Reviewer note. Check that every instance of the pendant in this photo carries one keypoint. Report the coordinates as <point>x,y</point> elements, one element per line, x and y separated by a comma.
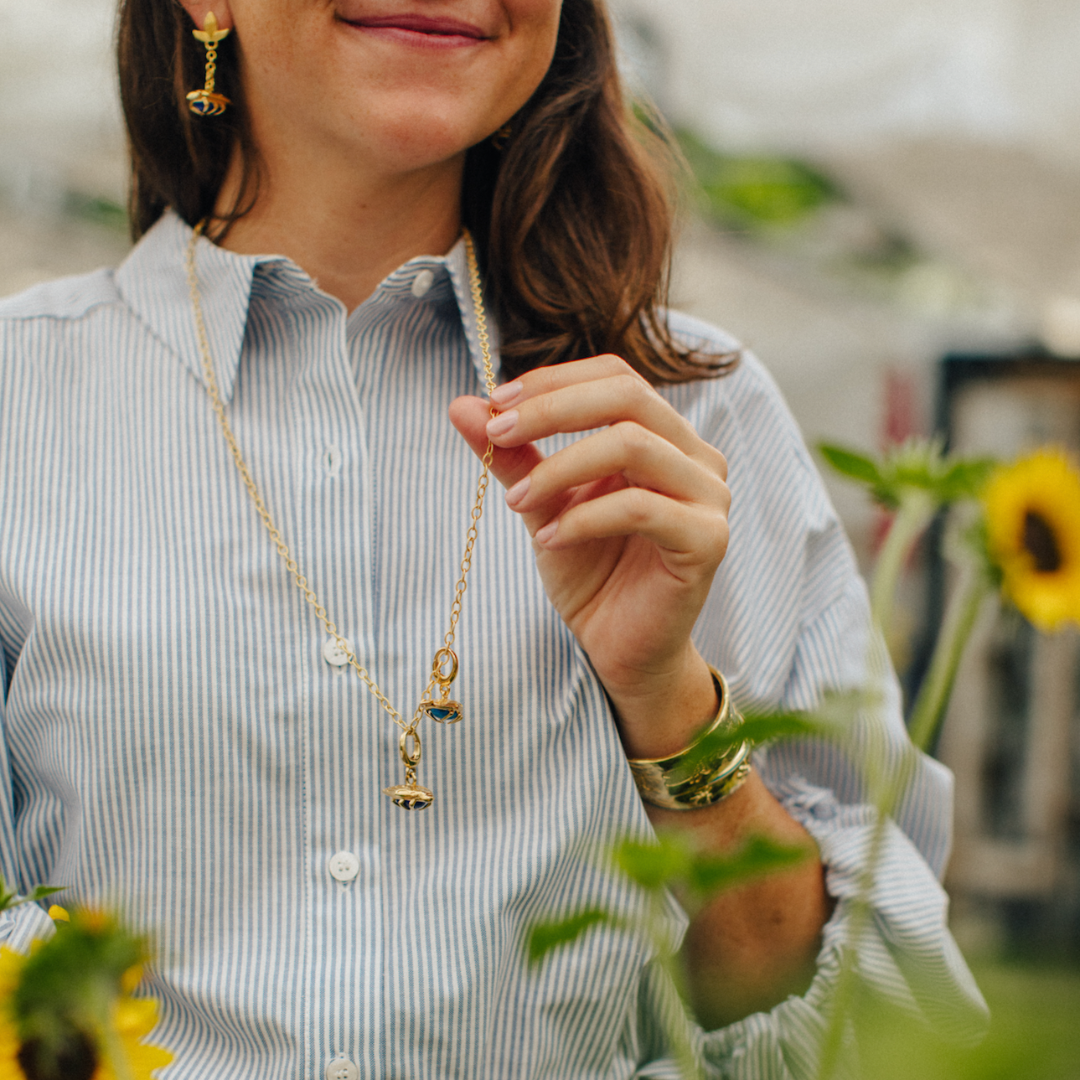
<point>444,671</point>
<point>410,795</point>
<point>442,711</point>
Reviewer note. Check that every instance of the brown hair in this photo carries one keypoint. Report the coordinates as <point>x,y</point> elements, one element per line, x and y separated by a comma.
<point>573,218</point>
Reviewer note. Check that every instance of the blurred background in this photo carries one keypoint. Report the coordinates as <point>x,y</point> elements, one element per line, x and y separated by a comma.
<point>887,210</point>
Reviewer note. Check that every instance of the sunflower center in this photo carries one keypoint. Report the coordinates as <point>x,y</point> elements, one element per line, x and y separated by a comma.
<point>74,1059</point>
<point>1041,543</point>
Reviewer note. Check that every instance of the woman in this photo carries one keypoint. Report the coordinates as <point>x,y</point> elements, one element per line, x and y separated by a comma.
<point>185,736</point>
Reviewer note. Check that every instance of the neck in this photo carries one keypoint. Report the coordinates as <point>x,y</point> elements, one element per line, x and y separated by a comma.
<point>345,228</point>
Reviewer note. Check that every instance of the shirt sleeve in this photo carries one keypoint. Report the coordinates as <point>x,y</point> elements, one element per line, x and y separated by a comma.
<point>22,925</point>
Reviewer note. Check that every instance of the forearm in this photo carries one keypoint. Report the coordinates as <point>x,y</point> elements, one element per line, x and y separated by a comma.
<point>749,947</point>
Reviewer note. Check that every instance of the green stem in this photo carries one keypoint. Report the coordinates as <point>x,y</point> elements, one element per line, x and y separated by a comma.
<point>916,510</point>
<point>677,1033</point>
<point>112,1049</point>
<point>885,792</point>
<point>960,616</point>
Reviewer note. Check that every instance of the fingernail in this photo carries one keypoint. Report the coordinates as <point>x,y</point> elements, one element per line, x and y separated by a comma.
<point>501,424</point>
<point>503,395</point>
<point>546,533</point>
<point>518,491</point>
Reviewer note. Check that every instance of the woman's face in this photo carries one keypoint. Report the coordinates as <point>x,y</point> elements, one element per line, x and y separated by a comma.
<point>398,84</point>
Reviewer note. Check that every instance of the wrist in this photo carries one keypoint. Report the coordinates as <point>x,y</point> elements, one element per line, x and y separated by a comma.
<point>663,713</point>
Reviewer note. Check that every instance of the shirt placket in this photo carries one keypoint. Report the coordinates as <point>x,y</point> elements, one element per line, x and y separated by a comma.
<point>343,722</point>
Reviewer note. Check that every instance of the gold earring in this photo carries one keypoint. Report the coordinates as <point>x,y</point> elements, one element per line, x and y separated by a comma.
<point>205,102</point>
<point>501,139</point>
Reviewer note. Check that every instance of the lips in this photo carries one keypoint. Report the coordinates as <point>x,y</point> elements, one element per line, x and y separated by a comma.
<point>420,24</point>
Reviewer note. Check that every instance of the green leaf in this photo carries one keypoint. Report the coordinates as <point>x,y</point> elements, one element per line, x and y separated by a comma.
<point>39,892</point>
<point>710,874</point>
<point>10,899</point>
<point>851,464</point>
<point>965,478</point>
<point>758,729</point>
<point>545,936</point>
<point>652,866</point>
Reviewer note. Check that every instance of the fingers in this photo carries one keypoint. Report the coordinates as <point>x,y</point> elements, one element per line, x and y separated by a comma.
<point>589,394</point>
<point>691,532</point>
<point>642,458</point>
<point>643,470</point>
<point>470,415</point>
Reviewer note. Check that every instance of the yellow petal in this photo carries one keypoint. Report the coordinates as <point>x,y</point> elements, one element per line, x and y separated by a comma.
<point>133,1020</point>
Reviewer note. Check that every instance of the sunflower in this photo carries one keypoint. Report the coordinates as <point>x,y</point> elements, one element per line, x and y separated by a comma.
<point>1033,535</point>
<point>130,1019</point>
<point>134,1019</point>
<point>11,965</point>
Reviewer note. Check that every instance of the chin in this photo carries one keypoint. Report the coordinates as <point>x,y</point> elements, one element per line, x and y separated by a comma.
<point>422,143</point>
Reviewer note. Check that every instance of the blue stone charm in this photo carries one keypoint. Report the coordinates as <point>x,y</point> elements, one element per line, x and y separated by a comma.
<point>206,103</point>
<point>442,712</point>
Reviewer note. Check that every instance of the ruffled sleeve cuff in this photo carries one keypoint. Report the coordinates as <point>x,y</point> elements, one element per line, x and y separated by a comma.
<point>905,951</point>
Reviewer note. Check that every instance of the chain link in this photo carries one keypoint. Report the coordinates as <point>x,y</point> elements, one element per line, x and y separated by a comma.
<point>476,291</point>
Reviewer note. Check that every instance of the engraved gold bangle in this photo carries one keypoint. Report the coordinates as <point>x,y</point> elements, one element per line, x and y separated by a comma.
<point>665,782</point>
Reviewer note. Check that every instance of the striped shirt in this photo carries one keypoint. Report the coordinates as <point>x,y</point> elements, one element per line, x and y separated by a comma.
<point>176,744</point>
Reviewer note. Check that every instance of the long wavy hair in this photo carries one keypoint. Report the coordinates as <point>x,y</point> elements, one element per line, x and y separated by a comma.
<point>573,216</point>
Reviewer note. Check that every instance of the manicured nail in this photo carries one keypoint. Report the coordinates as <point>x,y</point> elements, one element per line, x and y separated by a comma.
<point>543,535</point>
<point>503,395</point>
<point>518,491</point>
<point>501,424</point>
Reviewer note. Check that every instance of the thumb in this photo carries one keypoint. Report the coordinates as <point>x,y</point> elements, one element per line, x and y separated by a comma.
<point>470,416</point>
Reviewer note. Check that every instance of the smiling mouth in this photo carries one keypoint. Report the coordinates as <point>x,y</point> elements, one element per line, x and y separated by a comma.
<point>422,25</point>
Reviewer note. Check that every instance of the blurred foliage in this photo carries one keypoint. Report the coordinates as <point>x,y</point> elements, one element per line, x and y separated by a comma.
<point>97,211</point>
<point>9,898</point>
<point>755,192</point>
<point>545,936</point>
<point>1034,1032</point>
<point>834,712</point>
<point>671,862</point>
<point>916,465</point>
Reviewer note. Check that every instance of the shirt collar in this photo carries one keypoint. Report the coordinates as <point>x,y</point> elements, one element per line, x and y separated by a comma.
<point>153,282</point>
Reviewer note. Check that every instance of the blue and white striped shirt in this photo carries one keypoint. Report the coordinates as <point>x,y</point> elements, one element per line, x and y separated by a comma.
<point>176,745</point>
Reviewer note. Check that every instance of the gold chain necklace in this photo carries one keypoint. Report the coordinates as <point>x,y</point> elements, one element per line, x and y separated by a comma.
<point>444,668</point>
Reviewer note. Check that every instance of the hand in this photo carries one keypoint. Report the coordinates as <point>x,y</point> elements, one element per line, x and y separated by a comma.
<point>629,524</point>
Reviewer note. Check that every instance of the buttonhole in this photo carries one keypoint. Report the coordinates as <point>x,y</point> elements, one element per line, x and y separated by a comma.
<point>332,461</point>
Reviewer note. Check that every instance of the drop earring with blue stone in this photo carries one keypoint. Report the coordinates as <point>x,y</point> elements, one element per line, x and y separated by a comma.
<point>206,102</point>
<point>441,709</point>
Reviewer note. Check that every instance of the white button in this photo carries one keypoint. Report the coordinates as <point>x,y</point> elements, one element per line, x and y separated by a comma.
<point>341,1068</point>
<point>334,654</point>
<point>344,866</point>
<point>422,283</point>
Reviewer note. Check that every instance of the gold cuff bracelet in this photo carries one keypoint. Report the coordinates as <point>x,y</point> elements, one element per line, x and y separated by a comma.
<point>665,782</point>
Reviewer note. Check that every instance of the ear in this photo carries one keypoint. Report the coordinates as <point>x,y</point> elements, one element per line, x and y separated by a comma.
<point>199,9</point>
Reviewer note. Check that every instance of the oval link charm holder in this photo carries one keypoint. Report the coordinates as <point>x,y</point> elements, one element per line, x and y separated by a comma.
<point>444,668</point>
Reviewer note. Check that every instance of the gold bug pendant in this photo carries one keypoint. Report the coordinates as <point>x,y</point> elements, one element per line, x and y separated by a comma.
<point>410,795</point>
